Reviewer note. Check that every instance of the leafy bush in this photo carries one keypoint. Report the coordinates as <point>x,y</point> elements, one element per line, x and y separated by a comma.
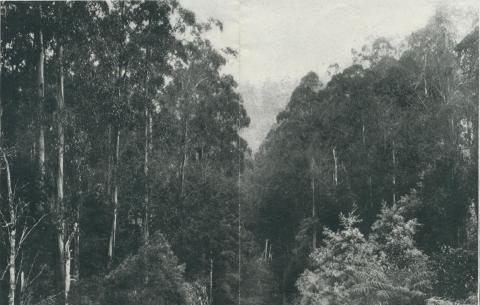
<point>386,268</point>
<point>407,267</point>
<point>153,276</point>
<point>341,268</point>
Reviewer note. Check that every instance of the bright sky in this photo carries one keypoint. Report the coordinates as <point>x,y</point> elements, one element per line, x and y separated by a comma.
<point>279,39</point>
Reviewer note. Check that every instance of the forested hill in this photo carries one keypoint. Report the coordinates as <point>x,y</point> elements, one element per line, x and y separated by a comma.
<point>120,146</point>
<point>392,139</point>
<point>124,178</point>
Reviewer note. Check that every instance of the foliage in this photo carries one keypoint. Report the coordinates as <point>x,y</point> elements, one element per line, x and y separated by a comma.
<point>455,272</point>
<point>150,277</point>
<point>395,127</point>
<point>259,286</point>
<point>405,264</point>
<point>395,134</point>
<point>386,268</point>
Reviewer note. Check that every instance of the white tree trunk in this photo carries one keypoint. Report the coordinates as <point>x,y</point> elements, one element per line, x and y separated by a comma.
<point>184,156</point>
<point>41,98</point>
<point>394,178</point>
<point>210,297</point>
<point>148,147</point>
<point>335,167</point>
<point>12,236</point>
<point>314,229</point>
<point>113,232</point>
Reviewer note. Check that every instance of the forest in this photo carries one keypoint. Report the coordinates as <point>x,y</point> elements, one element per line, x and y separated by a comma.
<point>124,178</point>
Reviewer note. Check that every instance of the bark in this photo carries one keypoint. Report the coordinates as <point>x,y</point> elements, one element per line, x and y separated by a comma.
<point>113,232</point>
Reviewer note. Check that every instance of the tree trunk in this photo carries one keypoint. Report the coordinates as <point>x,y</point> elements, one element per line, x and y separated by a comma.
<point>314,229</point>
<point>76,249</point>
<point>148,129</point>
<point>148,147</point>
<point>1,71</point>
<point>370,187</point>
<point>109,162</point>
<point>112,175</point>
<point>211,281</point>
<point>68,279</point>
<point>113,232</point>
<point>22,288</point>
<point>335,167</point>
<point>184,157</point>
<point>12,236</point>
<point>63,242</point>
<point>61,146</point>
<point>68,261</point>
<point>394,178</point>
<point>41,99</point>
<point>363,135</point>
<point>265,252</point>
<point>425,86</point>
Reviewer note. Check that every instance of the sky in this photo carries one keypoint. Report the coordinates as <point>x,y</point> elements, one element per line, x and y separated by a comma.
<point>285,39</point>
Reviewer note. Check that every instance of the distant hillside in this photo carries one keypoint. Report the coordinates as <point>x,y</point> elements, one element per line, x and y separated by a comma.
<point>263,103</point>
